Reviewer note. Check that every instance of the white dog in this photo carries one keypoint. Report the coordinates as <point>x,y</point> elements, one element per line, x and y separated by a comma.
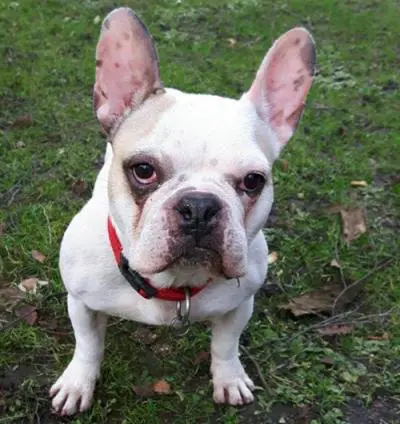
<point>172,232</point>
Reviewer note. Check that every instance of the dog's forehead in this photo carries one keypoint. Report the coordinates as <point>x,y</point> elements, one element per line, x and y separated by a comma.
<point>191,128</point>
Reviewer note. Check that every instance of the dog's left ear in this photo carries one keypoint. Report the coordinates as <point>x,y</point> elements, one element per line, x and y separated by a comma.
<point>127,69</point>
<point>283,80</point>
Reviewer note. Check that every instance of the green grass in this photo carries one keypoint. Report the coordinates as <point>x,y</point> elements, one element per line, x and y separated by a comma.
<point>350,131</point>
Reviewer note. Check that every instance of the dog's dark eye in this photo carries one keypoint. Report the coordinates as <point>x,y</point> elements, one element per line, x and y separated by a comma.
<point>253,182</point>
<point>144,173</point>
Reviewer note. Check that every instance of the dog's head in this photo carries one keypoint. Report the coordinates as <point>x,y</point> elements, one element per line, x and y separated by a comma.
<point>190,183</point>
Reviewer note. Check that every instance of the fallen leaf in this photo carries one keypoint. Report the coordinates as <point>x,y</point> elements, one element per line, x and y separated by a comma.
<point>272,257</point>
<point>284,164</point>
<point>30,285</point>
<point>79,187</point>
<point>162,387</point>
<point>335,330</point>
<point>201,357</point>
<point>28,313</point>
<point>358,183</point>
<point>232,42</point>
<point>38,256</point>
<point>335,263</point>
<point>353,223</point>
<point>9,297</point>
<point>22,121</point>
<point>383,337</point>
<point>319,301</point>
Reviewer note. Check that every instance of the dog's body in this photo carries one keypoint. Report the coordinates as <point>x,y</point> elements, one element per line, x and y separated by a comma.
<point>187,185</point>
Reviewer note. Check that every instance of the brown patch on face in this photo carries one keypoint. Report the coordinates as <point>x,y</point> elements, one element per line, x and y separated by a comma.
<point>298,82</point>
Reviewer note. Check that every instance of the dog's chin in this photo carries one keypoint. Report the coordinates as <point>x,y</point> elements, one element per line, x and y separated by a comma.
<point>197,258</point>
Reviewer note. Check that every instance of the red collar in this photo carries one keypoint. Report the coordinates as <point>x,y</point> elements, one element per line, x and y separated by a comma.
<point>140,284</point>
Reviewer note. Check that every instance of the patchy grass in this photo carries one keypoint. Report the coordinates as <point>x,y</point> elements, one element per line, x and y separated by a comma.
<point>350,131</point>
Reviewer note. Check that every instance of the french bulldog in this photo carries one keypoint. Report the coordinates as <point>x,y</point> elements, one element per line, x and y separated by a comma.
<point>173,231</point>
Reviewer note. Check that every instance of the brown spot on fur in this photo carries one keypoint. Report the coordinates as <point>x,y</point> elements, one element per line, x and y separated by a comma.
<point>296,42</point>
<point>298,82</point>
<point>99,63</point>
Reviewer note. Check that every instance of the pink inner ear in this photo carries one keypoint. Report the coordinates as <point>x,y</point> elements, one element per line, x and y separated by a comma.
<point>283,81</point>
<point>126,66</point>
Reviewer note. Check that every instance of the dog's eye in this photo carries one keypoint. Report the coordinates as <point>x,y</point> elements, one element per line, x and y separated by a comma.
<point>144,173</point>
<point>253,182</point>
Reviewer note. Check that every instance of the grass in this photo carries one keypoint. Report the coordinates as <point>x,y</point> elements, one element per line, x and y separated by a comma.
<point>350,131</point>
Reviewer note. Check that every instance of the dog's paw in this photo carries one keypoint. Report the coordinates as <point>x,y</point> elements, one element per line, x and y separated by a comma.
<point>231,383</point>
<point>73,391</point>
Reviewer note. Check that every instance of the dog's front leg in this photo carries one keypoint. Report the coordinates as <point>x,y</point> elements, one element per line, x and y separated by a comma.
<point>231,383</point>
<point>73,391</point>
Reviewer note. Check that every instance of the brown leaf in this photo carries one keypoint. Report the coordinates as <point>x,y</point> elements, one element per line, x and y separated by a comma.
<point>162,387</point>
<point>22,121</point>
<point>28,313</point>
<point>384,336</point>
<point>315,302</point>
<point>353,223</point>
<point>335,263</point>
<point>335,330</point>
<point>201,357</point>
<point>9,297</point>
<point>232,42</point>
<point>38,256</point>
<point>79,187</point>
<point>284,164</point>
<point>272,257</point>
<point>358,183</point>
<point>30,285</point>
<point>2,228</point>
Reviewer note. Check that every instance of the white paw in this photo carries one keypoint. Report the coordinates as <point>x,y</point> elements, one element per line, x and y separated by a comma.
<point>73,391</point>
<point>231,383</point>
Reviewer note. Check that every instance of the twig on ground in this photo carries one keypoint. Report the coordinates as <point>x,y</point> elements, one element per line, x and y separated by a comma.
<point>362,280</point>
<point>258,368</point>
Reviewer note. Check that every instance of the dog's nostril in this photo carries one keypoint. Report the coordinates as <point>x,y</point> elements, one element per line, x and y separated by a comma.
<point>197,209</point>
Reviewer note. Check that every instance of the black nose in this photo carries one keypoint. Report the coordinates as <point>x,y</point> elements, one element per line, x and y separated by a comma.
<point>197,211</point>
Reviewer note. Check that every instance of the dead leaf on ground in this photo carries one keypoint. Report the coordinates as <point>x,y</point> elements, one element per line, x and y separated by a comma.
<point>335,330</point>
<point>385,336</point>
<point>30,285</point>
<point>28,313</point>
<point>232,42</point>
<point>22,121</point>
<point>9,297</point>
<point>272,257</point>
<point>160,387</point>
<point>38,256</point>
<point>353,223</point>
<point>79,187</point>
<point>2,228</point>
<point>320,300</point>
<point>145,335</point>
<point>284,163</point>
<point>358,183</point>
<point>333,209</point>
<point>335,263</point>
<point>201,357</point>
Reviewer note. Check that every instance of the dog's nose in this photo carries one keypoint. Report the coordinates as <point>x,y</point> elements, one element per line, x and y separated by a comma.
<point>197,211</point>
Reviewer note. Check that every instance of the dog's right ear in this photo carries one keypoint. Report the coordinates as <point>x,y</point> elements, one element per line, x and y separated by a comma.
<point>127,70</point>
